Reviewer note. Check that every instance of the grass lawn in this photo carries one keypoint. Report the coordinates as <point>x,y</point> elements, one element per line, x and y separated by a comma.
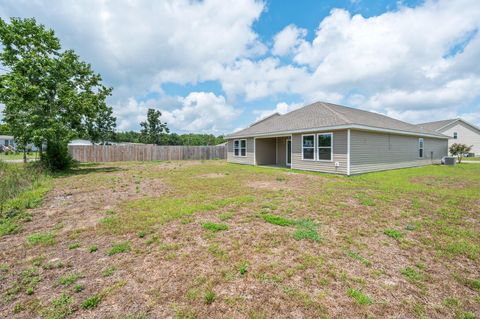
<point>207,239</point>
<point>17,156</point>
<point>470,159</point>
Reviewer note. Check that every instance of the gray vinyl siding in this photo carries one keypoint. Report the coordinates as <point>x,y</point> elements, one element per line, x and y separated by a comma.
<point>371,151</point>
<point>249,159</point>
<point>340,141</point>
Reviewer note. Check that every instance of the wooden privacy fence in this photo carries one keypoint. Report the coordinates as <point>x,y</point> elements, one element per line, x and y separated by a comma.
<point>115,153</point>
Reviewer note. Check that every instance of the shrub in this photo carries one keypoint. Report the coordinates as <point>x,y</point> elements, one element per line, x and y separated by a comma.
<point>56,157</point>
<point>93,248</point>
<point>458,150</point>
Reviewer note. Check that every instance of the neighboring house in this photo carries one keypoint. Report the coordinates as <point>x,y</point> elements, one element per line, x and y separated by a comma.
<point>459,131</point>
<point>335,139</point>
<point>7,140</point>
<point>80,142</point>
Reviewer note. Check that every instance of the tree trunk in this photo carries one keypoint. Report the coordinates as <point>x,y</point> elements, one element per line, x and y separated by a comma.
<point>25,154</point>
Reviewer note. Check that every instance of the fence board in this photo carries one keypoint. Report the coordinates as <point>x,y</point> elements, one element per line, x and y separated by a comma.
<point>115,153</point>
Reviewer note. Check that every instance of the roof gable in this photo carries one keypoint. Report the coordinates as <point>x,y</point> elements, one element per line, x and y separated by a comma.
<point>441,126</point>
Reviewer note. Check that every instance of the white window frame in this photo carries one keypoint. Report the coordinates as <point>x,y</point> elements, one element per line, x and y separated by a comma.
<point>455,135</point>
<point>421,146</point>
<point>314,147</point>
<point>331,147</point>
<point>240,147</point>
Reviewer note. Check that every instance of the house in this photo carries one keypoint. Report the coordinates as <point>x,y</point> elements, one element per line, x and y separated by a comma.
<point>459,131</point>
<point>80,142</point>
<point>331,138</point>
<point>7,140</point>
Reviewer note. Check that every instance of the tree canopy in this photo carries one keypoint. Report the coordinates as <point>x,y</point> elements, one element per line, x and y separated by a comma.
<point>50,95</point>
<point>153,129</point>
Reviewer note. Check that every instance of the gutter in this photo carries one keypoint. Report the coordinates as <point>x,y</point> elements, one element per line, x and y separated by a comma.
<point>341,127</point>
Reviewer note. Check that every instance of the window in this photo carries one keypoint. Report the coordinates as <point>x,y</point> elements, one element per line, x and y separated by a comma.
<point>240,148</point>
<point>308,147</point>
<point>324,143</point>
<point>420,147</point>
<point>455,135</point>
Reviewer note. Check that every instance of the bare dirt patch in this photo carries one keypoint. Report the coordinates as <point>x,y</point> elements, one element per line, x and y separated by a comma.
<point>212,175</point>
<point>268,185</point>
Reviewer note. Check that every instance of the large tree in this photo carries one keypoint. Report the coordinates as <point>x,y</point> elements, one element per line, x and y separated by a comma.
<point>50,95</point>
<point>153,129</point>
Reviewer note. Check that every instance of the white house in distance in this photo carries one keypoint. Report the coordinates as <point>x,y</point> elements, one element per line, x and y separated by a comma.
<point>459,131</point>
<point>7,140</point>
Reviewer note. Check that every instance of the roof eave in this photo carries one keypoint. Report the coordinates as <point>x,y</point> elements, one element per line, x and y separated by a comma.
<point>340,127</point>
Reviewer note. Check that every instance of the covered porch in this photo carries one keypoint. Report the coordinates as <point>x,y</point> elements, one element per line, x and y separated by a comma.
<point>273,151</point>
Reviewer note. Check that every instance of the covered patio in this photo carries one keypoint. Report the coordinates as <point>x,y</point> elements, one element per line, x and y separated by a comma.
<point>273,151</point>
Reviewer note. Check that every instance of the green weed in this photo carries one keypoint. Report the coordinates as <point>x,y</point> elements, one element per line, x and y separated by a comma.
<point>306,229</point>
<point>411,274</point>
<point>59,308</point>
<point>74,246</point>
<point>359,297</point>
<point>119,248</point>
<point>41,239</point>
<point>69,279</point>
<point>393,233</point>
<point>91,302</point>
<point>214,227</point>
<point>209,297</point>
<point>277,220</point>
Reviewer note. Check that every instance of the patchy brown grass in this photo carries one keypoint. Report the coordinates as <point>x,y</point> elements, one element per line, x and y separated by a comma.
<point>166,264</point>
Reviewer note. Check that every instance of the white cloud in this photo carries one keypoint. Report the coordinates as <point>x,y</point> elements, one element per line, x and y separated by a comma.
<point>280,108</point>
<point>399,63</point>
<point>451,94</point>
<point>288,39</point>
<point>202,112</point>
<point>199,112</point>
<point>137,45</point>
<point>396,62</point>
<point>472,117</point>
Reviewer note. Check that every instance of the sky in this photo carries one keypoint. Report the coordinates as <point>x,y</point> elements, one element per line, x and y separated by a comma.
<point>215,66</point>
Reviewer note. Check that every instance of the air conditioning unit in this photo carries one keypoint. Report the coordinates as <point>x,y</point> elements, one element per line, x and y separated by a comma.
<point>449,160</point>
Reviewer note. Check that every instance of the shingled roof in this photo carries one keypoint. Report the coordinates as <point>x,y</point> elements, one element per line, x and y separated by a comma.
<point>322,115</point>
<point>434,126</point>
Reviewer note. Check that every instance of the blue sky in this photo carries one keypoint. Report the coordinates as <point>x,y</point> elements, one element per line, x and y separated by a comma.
<point>215,66</point>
